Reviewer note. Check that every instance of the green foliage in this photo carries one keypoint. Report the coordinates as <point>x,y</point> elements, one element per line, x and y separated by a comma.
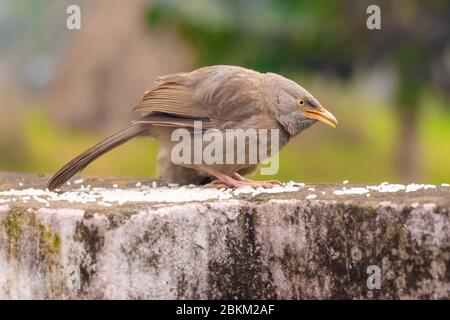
<point>47,148</point>
<point>322,36</point>
<point>257,34</point>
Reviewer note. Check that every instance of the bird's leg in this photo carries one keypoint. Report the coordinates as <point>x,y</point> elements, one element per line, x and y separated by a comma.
<point>222,181</point>
<point>236,181</point>
<point>219,184</point>
<point>237,176</point>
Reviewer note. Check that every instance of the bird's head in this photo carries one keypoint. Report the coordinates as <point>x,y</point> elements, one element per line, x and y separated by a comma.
<point>297,109</point>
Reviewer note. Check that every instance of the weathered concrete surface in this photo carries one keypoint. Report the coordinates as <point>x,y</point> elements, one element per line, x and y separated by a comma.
<point>281,246</point>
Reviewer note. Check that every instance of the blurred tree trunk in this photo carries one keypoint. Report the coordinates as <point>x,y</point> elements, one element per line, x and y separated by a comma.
<point>411,62</point>
<point>407,150</point>
<point>110,63</point>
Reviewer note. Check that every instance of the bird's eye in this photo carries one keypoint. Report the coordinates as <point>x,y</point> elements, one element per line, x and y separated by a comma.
<point>301,102</point>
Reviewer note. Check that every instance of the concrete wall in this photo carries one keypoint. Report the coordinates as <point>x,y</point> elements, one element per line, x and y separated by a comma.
<point>124,240</point>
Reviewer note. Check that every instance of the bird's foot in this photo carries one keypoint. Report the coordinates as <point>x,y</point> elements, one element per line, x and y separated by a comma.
<point>263,183</point>
<point>237,181</point>
<point>219,184</point>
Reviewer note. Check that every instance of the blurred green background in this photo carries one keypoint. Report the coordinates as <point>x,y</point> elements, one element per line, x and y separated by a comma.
<point>62,90</point>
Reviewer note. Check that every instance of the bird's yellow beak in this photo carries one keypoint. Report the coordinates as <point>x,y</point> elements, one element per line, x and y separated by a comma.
<point>322,115</point>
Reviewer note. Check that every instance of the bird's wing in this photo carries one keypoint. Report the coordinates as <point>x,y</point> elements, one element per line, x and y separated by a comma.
<point>166,120</point>
<point>172,95</point>
<point>223,95</point>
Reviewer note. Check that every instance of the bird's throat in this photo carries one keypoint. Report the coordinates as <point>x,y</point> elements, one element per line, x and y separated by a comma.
<point>294,123</point>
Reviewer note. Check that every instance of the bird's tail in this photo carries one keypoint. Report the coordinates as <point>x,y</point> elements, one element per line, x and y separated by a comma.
<point>81,161</point>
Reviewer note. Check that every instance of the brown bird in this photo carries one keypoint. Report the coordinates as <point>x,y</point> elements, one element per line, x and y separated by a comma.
<point>222,98</point>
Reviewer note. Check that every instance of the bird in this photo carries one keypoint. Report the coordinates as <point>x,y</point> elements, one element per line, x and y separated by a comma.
<point>222,98</point>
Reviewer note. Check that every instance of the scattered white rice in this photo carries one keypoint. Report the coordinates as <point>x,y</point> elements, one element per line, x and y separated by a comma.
<point>445,185</point>
<point>40,200</point>
<point>172,193</point>
<point>345,182</point>
<point>78,181</point>
<point>415,187</point>
<point>383,188</point>
<point>350,191</point>
<point>298,184</point>
<point>108,197</point>
<point>288,187</point>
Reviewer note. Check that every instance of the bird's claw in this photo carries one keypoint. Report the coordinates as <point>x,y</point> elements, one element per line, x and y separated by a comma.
<point>238,181</point>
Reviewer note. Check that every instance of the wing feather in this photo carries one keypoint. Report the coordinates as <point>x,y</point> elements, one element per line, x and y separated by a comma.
<point>171,95</point>
<point>164,120</point>
<point>222,95</point>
